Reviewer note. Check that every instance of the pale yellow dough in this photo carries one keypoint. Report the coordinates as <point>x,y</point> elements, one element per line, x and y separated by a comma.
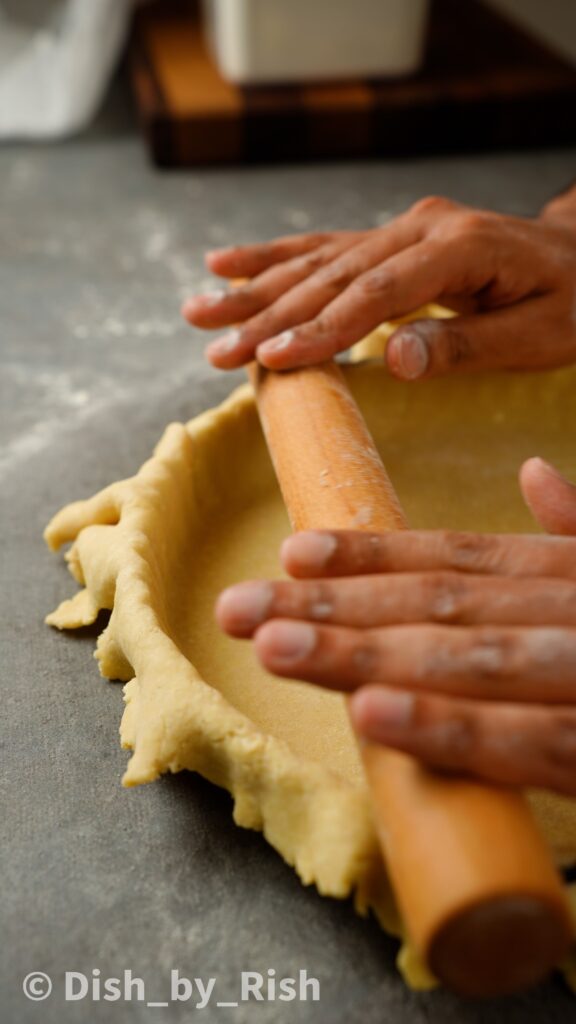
<point>205,512</point>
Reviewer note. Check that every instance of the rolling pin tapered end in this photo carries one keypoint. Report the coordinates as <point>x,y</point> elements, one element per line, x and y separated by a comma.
<point>501,946</point>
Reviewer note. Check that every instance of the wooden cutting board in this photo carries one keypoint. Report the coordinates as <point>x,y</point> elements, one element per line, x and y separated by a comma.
<point>484,84</point>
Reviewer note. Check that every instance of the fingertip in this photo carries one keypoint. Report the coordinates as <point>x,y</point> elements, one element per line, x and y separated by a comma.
<point>220,361</point>
<point>187,310</point>
<point>534,473</point>
<point>550,497</point>
<point>359,705</point>
<point>224,608</point>
<point>536,465</point>
<point>240,609</point>
<point>282,645</point>
<point>215,359</point>
<point>308,553</point>
<point>227,352</point>
<point>216,258</point>
<point>286,559</point>
<point>277,353</point>
<point>378,713</point>
<point>407,354</point>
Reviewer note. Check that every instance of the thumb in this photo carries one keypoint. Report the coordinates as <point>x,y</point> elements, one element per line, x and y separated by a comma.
<point>500,339</point>
<point>549,496</point>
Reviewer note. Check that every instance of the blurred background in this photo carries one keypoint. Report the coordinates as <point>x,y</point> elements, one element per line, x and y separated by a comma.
<point>247,80</point>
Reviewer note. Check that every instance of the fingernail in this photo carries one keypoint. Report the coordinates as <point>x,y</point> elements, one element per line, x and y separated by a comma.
<point>219,252</point>
<point>311,549</point>
<point>277,344</point>
<point>292,641</point>
<point>227,343</point>
<point>381,710</point>
<point>411,356</point>
<point>214,297</point>
<point>247,603</point>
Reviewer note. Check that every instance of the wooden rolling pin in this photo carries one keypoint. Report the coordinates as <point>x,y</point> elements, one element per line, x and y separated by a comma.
<point>474,879</point>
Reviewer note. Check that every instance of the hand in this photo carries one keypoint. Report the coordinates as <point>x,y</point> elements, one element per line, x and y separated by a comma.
<point>459,649</point>
<point>311,296</point>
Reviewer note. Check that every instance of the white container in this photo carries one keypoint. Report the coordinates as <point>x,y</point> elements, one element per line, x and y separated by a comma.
<point>257,41</point>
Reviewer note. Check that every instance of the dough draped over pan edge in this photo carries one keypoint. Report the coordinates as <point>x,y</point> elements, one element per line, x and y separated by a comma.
<point>126,544</point>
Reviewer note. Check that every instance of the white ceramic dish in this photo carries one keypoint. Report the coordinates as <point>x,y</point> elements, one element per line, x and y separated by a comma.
<point>307,40</point>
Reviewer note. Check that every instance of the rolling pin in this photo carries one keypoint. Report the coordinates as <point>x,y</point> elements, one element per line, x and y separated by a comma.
<point>479,895</point>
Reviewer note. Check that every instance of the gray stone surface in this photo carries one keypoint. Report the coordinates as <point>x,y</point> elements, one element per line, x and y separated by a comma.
<point>96,252</point>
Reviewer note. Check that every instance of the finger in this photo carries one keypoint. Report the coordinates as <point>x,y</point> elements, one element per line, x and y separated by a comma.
<point>409,279</point>
<point>486,663</point>
<point>507,744</point>
<point>549,496</point>
<point>505,339</point>
<point>367,602</point>
<point>312,293</point>
<point>249,260</point>
<point>355,553</point>
<point>219,308</point>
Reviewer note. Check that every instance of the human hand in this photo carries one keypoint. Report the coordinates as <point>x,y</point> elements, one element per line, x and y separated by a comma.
<point>459,649</point>
<point>310,296</point>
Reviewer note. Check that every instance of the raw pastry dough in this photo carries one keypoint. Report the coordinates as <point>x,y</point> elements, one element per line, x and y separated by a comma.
<point>205,512</point>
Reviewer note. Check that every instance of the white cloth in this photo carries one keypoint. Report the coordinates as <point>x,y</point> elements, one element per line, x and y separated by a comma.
<point>55,65</point>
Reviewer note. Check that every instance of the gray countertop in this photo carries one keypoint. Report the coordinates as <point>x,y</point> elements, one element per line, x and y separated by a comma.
<point>97,251</point>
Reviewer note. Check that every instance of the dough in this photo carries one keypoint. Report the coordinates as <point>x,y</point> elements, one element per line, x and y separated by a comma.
<point>205,512</point>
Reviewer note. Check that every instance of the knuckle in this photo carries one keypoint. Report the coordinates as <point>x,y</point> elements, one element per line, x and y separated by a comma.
<point>462,737</point>
<point>368,550</point>
<point>494,655</point>
<point>365,658</point>
<point>444,595</point>
<point>432,204</point>
<point>320,600</point>
<point>310,261</point>
<point>470,551</point>
<point>455,738</point>
<point>325,325</point>
<point>379,281</point>
<point>336,276</point>
<point>472,222</point>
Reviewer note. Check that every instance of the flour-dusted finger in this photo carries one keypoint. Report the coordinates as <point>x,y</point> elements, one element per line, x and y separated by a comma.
<point>407,280</point>
<point>507,744</point>
<point>221,307</point>
<point>550,496</point>
<point>534,664</point>
<point>317,290</point>
<point>319,277</point>
<point>250,260</point>
<point>364,602</point>
<point>498,339</point>
<point>354,553</point>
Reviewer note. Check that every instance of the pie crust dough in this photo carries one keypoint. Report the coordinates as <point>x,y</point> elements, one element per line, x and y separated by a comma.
<point>205,512</point>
